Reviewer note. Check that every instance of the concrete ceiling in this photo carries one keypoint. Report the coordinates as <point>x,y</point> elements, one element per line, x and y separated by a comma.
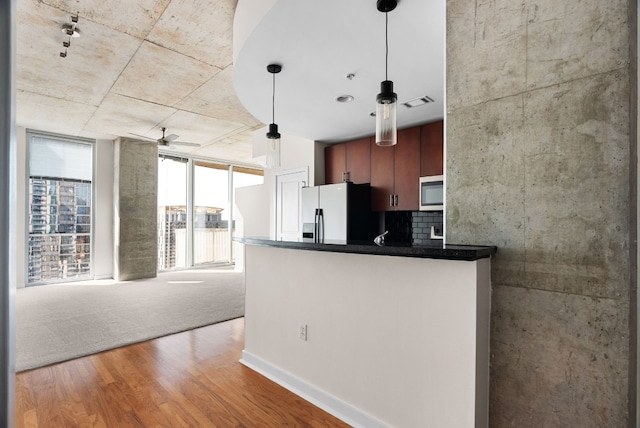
<point>140,66</point>
<point>136,67</point>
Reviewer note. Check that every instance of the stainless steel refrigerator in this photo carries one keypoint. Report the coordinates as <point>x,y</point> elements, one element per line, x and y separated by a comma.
<point>338,212</point>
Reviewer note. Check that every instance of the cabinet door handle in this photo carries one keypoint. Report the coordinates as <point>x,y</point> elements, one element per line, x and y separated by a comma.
<point>396,201</point>
<point>390,200</point>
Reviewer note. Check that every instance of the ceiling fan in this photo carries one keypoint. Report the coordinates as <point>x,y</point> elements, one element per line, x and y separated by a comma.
<point>168,140</point>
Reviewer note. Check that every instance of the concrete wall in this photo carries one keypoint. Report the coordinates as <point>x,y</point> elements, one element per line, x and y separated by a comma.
<point>541,161</point>
<point>136,203</point>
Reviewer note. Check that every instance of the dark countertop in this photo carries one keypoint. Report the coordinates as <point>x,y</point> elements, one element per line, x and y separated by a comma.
<point>448,251</point>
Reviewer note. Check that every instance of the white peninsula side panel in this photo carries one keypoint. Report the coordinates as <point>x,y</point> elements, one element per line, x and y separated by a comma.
<point>391,341</point>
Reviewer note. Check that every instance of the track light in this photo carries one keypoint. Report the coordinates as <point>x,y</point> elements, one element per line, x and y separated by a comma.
<point>71,31</point>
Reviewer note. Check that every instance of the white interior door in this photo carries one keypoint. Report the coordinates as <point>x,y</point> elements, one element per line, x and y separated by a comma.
<point>288,203</point>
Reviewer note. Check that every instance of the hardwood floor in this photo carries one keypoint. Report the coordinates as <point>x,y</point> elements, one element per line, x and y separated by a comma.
<point>190,379</point>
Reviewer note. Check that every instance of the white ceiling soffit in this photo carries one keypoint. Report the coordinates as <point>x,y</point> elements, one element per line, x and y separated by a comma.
<point>136,67</point>
<point>319,43</point>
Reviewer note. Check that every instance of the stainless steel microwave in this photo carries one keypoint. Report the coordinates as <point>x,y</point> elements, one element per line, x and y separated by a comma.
<point>432,193</point>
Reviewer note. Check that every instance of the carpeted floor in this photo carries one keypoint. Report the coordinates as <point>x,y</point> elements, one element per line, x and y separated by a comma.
<point>59,322</point>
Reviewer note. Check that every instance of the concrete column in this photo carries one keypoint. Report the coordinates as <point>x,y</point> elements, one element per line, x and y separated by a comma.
<point>136,206</point>
<point>7,214</point>
<point>541,161</point>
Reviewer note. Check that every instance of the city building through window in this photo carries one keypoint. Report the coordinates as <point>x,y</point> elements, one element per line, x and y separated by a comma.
<point>60,200</point>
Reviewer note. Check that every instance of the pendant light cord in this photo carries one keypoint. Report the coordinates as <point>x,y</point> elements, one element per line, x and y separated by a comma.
<point>273,100</point>
<point>386,42</point>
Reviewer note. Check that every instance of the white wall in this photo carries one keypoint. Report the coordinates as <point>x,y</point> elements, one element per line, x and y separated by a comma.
<point>251,203</point>
<point>299,153</point>
<point>295,153</point>
<point>256,204</point>
<point>391,341</point>
<point>252,217</point>
<point>103,210</point>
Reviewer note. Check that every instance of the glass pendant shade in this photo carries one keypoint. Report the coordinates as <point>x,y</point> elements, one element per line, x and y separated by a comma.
<point>386,127</point>
<point>273,146</point>
<point>273,153</point>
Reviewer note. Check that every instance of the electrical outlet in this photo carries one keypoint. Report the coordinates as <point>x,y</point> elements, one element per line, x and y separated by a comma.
<point>302,331</point>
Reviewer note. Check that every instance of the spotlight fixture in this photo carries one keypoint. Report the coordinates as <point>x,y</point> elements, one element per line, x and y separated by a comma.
<point>273,136</point>
<point>387,100</point>
<point>69,30</point>
<point>345,98</point>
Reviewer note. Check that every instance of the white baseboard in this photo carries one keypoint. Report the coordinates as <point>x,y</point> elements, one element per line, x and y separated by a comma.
<point>327,402</point>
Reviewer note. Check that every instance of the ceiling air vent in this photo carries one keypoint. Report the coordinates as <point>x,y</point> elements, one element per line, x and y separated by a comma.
<point>418,102</point>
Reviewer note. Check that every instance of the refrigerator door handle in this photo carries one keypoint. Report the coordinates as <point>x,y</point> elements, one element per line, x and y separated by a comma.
<point>318,236</point>
<point>319,223</point>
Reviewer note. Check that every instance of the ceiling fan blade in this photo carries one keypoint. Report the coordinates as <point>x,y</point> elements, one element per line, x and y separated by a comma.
<point>184,143</point>
<point>171,137</point>
<point>142,136</point>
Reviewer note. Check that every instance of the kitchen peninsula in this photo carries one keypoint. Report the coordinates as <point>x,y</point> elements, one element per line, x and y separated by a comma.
<point>378,336</point>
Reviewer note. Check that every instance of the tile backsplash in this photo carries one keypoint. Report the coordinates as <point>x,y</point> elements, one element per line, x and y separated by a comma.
<point>413,227</point>
<point>421,223</point>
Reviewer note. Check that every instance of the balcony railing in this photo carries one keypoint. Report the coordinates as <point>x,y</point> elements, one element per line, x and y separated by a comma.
<point>59,257</point>
<point>211,245</point>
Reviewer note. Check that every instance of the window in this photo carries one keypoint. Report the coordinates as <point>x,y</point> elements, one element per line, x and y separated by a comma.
<point>172,213</point>
<point>210,213</point>
<point>195,215</point>
<point>60,200</point>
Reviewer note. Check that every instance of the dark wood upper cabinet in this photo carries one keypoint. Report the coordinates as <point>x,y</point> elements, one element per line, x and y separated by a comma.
<point>334,163</point>
<point>407,170</point>
<point>431,149</point>
<point>358,162</point>
<point>351,160</point>
<point>395,173</point>
<point>382,182</point>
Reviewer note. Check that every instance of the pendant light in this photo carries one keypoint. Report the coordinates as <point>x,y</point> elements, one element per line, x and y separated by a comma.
<point>387,100</point>
<point>273,136</point>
